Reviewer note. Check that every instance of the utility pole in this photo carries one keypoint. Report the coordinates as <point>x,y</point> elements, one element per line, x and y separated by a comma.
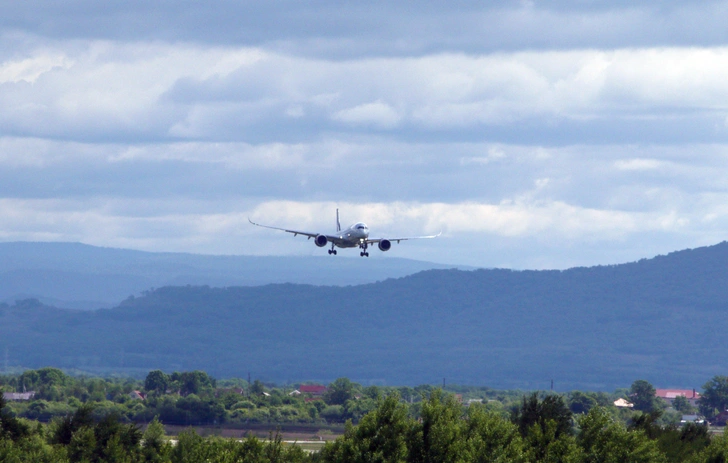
<point>443,384</point>
<point>552,384</point>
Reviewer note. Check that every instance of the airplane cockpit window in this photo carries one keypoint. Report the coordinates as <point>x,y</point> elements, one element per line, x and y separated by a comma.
<point>361,226</point>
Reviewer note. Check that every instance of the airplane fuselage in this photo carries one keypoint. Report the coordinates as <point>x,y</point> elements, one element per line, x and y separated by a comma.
<point>353,236</point>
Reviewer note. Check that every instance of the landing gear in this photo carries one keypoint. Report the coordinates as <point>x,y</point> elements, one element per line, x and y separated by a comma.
<point>332,250</point>
<point>363,246</point>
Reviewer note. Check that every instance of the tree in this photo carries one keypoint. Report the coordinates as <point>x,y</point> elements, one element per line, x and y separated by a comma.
<point>192,382</point>
<point>489,437</point>
<point>257,388</point>
<point>546,428</point>
<point>642,394</point>
<point>380,436</point>
<point>339,392</point>
<point>681,404</point>
<point>10,427</point>
<point>716,451</point>
<point>604,440</point>
<point>71,423</point>
<point>155,446</point>
<point>580,402</point>
<point>157,381</point>
<point>438,436</point>
<point>715,396</point>
<point>532,411</point>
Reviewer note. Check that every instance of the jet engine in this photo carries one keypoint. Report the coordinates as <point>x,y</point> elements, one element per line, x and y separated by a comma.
<point>320,241</point>
<point>384,245</point>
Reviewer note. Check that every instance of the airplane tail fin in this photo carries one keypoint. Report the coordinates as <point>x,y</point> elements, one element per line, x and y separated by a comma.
<point>338,224</point>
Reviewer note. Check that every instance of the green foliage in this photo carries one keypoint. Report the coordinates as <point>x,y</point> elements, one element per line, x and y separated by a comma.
<point>192,448</point>
<point>681,404</point>
<point>156,382</point>
<point>156,448</point>
<point>339,392</point>
<point>257,388</point>
<point>677,444</point>
<point>334,413</point>
<point>192,382</point>
<point>716,451</point>
<point>642,395</point>
<point>11,428</point>
<point>382,427</point>
<point>65,428</point>
<point>715,396</point>
<point>580,402</point>
<point>436,438</point>
<point>604,440</point>
<point>539,412</point>
<point>490,438</point>
<point>546,428</point>
<point>379,437</point>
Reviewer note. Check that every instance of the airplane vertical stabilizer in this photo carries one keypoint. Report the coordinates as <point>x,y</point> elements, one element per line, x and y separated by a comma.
<point>338,224</point>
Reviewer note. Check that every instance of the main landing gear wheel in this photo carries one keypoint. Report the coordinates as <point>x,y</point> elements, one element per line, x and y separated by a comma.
<point>363,254</point>
<point>332,251</point>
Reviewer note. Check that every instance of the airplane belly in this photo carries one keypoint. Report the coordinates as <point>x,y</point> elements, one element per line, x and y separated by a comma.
<point>346,244</point>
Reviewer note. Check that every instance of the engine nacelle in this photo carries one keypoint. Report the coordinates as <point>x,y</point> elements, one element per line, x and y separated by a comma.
<point>320,241</point>
<point>384,245</point>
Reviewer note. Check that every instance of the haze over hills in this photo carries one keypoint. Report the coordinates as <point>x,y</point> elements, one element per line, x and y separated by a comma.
<point>660,319</point>
<point>79,276</point>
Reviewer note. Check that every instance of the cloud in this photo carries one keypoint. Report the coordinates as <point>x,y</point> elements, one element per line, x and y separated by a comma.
<point>29,69</point>
<point>532,133</point>
<point>379,28</point>
<point>108,91</point>
<point>638,164</point>
<point>377,114</point>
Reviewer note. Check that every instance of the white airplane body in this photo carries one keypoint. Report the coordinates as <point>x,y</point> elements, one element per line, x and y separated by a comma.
<point>355,236</point>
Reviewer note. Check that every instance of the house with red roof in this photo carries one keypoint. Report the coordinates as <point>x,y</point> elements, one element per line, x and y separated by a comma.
<point>313,389</point>
<point>668,395</point>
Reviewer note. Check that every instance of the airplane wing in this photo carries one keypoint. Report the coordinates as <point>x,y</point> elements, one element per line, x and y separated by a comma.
<point>391,240</point>
<point>330,238</point>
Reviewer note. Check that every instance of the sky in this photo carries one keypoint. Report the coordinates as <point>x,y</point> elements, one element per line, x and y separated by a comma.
<point>533,135</point>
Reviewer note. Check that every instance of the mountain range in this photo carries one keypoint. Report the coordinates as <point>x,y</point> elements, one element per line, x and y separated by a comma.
<point>661,319</point>
<point>79,276</point>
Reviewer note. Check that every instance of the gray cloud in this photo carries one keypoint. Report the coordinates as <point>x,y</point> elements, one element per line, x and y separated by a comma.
<point>533,135</point>
<point>381,28</point>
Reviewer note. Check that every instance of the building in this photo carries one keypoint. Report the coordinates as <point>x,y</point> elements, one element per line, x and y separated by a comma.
<point>18,396</point>
<point>623,403</point>
<point>313,389</point>
<point>137,395</point>
<point>691,419</point>
<point>668,395</point>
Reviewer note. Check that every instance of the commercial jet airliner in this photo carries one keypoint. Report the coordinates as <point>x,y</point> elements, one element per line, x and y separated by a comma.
<point>355,236</point>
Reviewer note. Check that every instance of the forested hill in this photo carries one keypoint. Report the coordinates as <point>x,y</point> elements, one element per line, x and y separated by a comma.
<point>79,276</point>
<point>661,319</point>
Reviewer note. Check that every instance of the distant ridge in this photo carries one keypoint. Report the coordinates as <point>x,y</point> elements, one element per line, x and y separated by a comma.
<point>661,319</point>
<point>80,276</point>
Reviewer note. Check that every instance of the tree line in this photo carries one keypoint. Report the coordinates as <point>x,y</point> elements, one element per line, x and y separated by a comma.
<point>539,430</point>
<point>421,424</point>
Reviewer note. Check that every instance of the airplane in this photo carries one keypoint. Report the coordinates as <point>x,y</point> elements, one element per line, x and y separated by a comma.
<point>356,235</point>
